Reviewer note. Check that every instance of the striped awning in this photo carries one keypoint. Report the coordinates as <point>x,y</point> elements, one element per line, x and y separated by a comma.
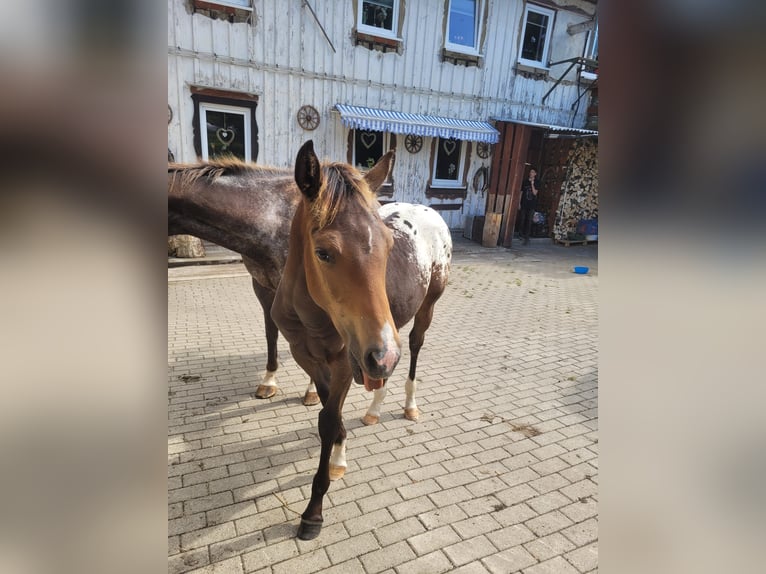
<point>551,127</point>
<point>357,117</point>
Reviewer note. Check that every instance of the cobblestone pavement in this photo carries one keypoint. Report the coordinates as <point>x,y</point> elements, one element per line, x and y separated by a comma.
<point>500,474</point>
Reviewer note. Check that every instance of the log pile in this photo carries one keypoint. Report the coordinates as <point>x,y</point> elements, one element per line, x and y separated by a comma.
<point>579,193</point>
<point>185,246</point>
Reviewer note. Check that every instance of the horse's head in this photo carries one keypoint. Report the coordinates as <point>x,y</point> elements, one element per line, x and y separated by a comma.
<point>345,251</point>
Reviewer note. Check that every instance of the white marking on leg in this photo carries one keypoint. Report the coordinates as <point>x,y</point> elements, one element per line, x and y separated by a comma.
<point>311,388</point>
<point>409,389</point>
<point>269,379</point>
<point>338,455</point>
<point>377,401</point>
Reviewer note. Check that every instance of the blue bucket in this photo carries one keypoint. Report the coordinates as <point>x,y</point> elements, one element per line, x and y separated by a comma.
<point>581,270</point>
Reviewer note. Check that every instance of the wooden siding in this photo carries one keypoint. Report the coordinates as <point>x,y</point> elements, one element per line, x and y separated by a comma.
<point>283,58</point>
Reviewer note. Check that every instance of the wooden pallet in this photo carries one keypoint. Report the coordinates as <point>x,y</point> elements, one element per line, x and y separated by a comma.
<point>568,242</point>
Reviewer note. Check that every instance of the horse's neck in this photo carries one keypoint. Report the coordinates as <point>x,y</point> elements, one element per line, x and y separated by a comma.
<point>247,214</point>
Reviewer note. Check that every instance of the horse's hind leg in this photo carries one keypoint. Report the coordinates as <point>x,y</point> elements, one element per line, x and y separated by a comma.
<point>268,387</point>
<point>423,319</point>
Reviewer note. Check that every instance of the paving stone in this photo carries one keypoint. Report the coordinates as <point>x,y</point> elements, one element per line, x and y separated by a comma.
<point>557,565</point>
<point>585,559</point>
<point>583,532</point>
<point>510,560</point>
<point>470,550</point>
<point>431,540</point>
<point>433,563</point>
<point>231,566</point>
<point>549,546</point>
<point>380,560</point>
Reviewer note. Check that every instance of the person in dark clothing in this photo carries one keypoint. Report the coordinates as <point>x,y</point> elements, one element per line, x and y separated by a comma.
<point>529,190</point>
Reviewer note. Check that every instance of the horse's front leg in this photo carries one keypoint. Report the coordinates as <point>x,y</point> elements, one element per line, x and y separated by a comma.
<point>332,458</point>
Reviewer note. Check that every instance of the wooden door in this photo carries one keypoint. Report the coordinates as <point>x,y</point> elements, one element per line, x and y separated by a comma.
<point>508,164</point>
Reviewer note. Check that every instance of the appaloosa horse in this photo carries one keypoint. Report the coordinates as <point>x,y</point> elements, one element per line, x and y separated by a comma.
<point>354,275</point>
<point>248,209</point>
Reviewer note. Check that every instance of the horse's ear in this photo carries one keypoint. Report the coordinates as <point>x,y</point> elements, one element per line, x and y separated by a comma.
<point>379,172</point>
<point>308,174</point>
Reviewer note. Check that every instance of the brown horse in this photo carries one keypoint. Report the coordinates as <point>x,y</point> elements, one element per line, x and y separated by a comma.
<point>355,274</point>
<point>248,209</point>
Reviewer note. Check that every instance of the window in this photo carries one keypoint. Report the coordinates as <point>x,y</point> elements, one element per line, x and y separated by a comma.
<point>591,51</point>
<point>536,36</point>
<point>368,148</point>
<point>227,131</point>
<point>378,17</point>
<point>464,26</point>
<point>224,124</point>
<point>448,163</point>
<point>236,3</point>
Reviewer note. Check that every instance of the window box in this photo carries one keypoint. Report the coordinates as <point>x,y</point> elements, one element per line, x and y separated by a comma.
<point>231,10</point>
<point>460,59</point>
<point>378,43</point>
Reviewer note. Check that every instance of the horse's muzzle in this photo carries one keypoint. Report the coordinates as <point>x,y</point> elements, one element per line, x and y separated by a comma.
<point>380,363</point>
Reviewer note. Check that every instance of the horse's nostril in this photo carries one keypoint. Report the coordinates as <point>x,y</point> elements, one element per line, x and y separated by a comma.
<point>380,362</point>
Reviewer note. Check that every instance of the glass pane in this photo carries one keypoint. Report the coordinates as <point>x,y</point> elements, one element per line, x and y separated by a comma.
<point>225,134</point>
<point>448,159</point>
<point>378,13</point>
<point>462,22</point>
<point>534,36</point>
<point>368,148</point>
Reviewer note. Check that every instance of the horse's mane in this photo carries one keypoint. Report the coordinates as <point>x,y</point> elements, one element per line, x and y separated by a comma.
<point>209,171</point>
<point>342,182</point>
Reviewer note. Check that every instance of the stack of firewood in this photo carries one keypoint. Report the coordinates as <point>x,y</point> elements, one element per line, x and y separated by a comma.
<point>579,192</point>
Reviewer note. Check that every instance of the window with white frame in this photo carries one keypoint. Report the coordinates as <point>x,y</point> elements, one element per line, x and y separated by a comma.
<point>235,3</point>
<point>224,124</point>
<point>448,163</point>
<point>368,147</point>
<point>536,36</point>
<point>378,17</point>
<point>464,26</point>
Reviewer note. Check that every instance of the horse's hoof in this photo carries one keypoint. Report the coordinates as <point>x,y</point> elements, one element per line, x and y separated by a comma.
<point>265,391</point>
<point>311,399</point>
<point>309,529</point>
<point>337,472</point>
<point>370,420</point>
<point>411,414</point>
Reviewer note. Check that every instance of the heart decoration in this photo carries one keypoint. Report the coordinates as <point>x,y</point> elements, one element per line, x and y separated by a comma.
<point>225,136</point>
<point>368,139</point>
<point>449,146</point>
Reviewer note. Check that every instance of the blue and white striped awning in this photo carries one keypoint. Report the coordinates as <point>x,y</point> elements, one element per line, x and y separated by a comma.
<point>357,117</point>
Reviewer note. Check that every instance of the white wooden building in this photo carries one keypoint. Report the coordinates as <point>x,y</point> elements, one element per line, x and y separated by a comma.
<point>429,77</point>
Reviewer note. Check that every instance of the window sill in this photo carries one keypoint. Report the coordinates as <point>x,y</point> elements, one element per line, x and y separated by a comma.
<point>228,12</point>
<point>531,72</point>
<point>442,192</point>
<point>379,43</point>
<point>462,58</point>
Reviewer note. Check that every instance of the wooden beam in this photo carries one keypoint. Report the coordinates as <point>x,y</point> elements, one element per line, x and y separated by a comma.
<point>573,29</point>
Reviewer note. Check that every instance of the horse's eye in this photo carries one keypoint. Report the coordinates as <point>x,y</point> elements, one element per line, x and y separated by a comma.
<point>323,255</point>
